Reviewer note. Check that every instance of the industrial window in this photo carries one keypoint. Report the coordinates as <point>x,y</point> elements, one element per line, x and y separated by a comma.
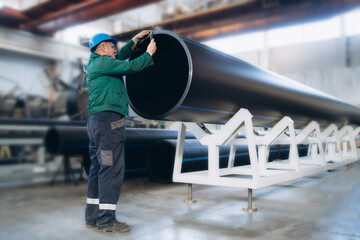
<point>322,30</point>
<point>238,43</point>
<point>352,23</point>
<point>285,36</point>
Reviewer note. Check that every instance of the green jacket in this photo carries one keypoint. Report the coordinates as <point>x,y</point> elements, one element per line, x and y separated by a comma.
<point>104,79</point>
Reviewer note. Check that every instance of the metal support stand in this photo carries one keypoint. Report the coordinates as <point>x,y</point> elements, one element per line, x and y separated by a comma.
<point>260,172</point>
<point>189,199</point>
<point>250,209</point>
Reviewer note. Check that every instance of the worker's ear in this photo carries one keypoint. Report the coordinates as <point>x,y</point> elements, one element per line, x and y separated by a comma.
<point>99,48</point>
<point>103,46</point>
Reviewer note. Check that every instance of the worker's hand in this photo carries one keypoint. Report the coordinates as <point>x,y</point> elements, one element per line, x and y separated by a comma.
<point>151,48</point>
<point>140,35</point>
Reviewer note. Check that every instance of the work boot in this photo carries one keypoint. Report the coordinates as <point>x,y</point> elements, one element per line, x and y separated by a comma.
<point>90,225</point>
<point>119,227</point>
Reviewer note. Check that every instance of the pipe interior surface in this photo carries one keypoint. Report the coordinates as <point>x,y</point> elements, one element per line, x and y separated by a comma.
<point>161,87</point>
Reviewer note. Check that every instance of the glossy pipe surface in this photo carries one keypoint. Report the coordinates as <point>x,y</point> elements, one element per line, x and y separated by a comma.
<point>191,82</point>
<point>74,140</point>
<point>39,122</point>
<point>138,143</point>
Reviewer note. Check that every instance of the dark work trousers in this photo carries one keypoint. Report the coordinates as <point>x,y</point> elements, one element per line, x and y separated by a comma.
<point>106,132</point>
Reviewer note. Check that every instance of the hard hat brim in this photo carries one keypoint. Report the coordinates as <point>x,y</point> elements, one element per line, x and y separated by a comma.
<point>113,40</point>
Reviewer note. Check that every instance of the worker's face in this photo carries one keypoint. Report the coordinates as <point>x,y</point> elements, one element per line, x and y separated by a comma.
<point>109,49</point>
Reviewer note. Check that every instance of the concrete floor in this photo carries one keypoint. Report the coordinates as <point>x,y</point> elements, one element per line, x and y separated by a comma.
<point>324,206</point>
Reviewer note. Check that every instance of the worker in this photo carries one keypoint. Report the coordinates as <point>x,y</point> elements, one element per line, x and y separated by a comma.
<point>107,107</point>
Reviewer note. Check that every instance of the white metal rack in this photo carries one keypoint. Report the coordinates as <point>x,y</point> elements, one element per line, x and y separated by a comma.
<point>262,173</point>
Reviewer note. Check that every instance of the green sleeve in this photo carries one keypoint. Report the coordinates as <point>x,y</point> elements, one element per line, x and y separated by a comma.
<point>125,51</point>
<point>121,67</point>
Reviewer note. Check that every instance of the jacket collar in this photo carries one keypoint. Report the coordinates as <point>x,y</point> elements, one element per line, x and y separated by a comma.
<point>94,55</point>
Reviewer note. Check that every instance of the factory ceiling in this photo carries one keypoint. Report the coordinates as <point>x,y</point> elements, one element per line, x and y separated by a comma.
<point>228,17</point>
<point>54,15</point>
<point>250,15</point>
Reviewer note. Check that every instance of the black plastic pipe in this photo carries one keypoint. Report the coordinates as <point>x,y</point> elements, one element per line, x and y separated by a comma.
<point>191,82</point>
<point>39,122</point>
<point>75,141</point>
<point>64,140</point>
<point>195,157</point>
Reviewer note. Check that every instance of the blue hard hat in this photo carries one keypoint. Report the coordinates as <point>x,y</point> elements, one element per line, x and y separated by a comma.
<point>98,38</point>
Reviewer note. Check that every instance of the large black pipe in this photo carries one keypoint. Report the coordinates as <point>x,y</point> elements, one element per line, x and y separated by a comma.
<point>191,82</point>
<point>75,141</point>
<point>64,140</point>
<point>147,150</point>
<point>39,122</point>
<point>195,157</point>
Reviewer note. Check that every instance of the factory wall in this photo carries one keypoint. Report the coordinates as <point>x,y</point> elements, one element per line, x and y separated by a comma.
<point>24,58</point>
<point>22,74</point>
<point>331,66</point>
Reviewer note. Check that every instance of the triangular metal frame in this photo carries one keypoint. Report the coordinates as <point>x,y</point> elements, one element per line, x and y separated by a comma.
<point>261,173</point>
